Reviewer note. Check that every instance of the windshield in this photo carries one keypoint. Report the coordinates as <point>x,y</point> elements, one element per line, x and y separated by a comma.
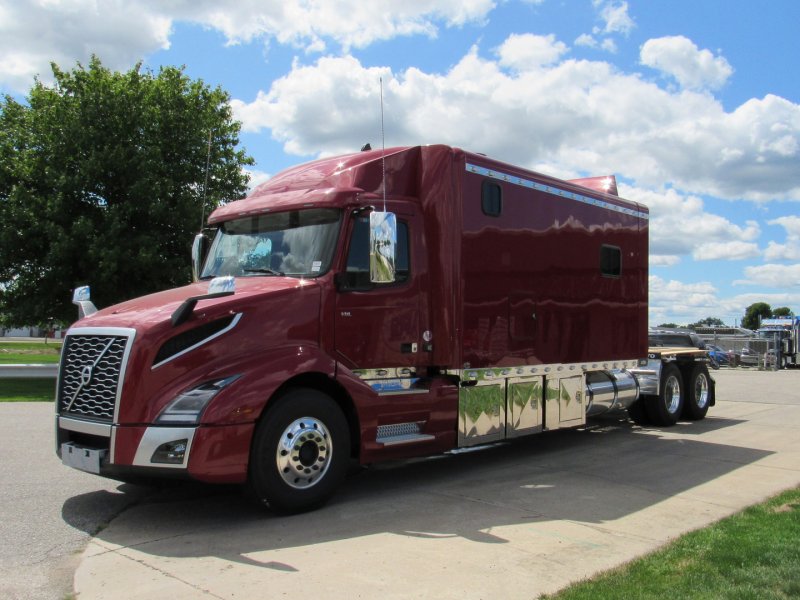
<point>297,243</point>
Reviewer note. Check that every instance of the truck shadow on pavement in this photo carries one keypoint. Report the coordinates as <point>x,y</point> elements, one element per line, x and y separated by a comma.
<point>595,475</point>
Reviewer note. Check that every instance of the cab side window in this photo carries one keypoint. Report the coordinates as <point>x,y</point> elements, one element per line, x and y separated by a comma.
<point>356,276</point>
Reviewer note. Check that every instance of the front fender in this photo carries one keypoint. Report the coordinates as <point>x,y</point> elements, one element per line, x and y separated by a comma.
<point>260,377</point>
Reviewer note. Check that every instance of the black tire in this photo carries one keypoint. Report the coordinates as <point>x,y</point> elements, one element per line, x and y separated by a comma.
<point>300,452</point>
<point>665,409</point>
<point>699,392</point>
<point>637,412</point>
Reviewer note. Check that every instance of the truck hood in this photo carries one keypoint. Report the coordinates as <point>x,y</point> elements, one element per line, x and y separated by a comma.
<point>155,309</point>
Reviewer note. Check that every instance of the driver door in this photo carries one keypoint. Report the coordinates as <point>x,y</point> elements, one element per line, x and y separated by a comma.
<point>378,325</point>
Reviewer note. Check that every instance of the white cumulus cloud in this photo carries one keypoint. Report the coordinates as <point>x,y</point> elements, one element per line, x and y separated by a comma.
<point>679,57</point>
<point>772,275</point>
<point>675,300</point>
<point>35,32</point>
<point>735,250</point>
<point>791,249</point>
<point>310,23</point>
<point>684,303</point>
<point>577,115</point>
<point>681,226</point>
<point>615,16</point>
<point>528,51</point>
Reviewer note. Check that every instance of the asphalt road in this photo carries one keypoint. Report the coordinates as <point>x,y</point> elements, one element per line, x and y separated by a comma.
<point>511,521</point>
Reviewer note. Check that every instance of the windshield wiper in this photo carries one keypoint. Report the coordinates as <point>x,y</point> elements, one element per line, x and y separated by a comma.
<point>266,271</point>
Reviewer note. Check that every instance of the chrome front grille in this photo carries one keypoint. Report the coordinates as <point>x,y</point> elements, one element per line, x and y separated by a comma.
<point>92,368</point>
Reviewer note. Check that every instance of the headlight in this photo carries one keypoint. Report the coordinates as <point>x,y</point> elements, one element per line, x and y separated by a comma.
<point>187,408</point>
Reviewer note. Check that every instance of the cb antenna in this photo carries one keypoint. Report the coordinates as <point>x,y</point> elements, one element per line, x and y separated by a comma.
<point>383,149</point>
<point>205,184</point>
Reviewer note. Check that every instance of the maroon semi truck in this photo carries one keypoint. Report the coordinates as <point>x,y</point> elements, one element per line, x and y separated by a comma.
<point>501,303</point>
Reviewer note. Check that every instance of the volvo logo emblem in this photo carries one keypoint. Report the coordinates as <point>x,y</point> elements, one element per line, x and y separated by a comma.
<point>86,375</point>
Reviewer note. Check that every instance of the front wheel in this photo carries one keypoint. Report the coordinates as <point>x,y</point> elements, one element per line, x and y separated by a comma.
<point>300,452</point>
<point>666,408</point>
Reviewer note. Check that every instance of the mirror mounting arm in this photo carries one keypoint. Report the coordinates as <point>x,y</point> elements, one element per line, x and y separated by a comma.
<point>361,209</point>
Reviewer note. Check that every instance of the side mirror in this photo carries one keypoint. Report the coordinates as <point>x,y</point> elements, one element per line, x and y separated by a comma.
<point>81,297</point>
<point>382,247</point>
<point>200,247</point>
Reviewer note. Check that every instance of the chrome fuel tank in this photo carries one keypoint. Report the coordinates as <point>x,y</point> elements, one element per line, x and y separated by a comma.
<point>610,391</point>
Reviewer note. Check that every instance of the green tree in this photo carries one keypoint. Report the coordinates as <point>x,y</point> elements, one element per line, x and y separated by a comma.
<point>782,311</point>
<point>708,322</point>
<point>102,182</point>
<point>668,326</point>
<point>754,313</point>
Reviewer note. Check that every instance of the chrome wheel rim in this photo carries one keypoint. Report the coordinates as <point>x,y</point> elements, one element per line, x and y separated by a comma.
<point>304,453</point>
<point>701,391</point>
<point>672,394</point>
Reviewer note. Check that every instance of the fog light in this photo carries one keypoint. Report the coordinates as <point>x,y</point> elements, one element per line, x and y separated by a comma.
<point>171,453</point>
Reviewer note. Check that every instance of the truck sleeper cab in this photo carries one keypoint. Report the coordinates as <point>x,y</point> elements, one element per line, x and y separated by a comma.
<point>501,303</point>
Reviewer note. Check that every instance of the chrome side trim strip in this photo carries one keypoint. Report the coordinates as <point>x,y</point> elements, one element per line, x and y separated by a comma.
<point>385,373</point>
<point>403,392</point>
<point>391,381</point>
<point>549,189</point>
<point>87,427</point>
<point>112,448</point>
<point>405,439</point>
<point>555,369</point>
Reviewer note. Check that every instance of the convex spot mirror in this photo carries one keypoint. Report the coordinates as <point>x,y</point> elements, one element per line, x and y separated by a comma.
<point>382,246</point>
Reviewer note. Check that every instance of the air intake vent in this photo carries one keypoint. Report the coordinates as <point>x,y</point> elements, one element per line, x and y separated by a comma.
<point>189,340</point>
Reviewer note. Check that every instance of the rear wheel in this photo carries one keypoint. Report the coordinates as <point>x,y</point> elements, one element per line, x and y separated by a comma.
<point>666,408</point>
<point>699,392</point>
<point>300,452</point>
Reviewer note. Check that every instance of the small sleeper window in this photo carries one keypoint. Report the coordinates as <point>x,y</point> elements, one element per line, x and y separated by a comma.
<point>610,261</point>
<point>491,198</point>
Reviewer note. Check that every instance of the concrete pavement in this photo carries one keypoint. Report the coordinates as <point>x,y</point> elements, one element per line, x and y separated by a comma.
<point>512,521</point>
<point>49,512</point>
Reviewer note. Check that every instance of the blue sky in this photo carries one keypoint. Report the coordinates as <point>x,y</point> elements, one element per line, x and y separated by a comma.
<point>695,106</point>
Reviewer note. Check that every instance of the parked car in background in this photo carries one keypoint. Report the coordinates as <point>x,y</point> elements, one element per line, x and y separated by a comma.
<point>748,357</point>
<point>722,356</point>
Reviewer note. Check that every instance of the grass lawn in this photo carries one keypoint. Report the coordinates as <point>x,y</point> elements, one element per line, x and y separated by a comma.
<point>27,390</point>
<point>29,352</point>
<point>754,554</point>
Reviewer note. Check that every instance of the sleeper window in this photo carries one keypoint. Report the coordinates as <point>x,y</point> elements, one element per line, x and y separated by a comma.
<point>491,198</point>
<point>610,261</point>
